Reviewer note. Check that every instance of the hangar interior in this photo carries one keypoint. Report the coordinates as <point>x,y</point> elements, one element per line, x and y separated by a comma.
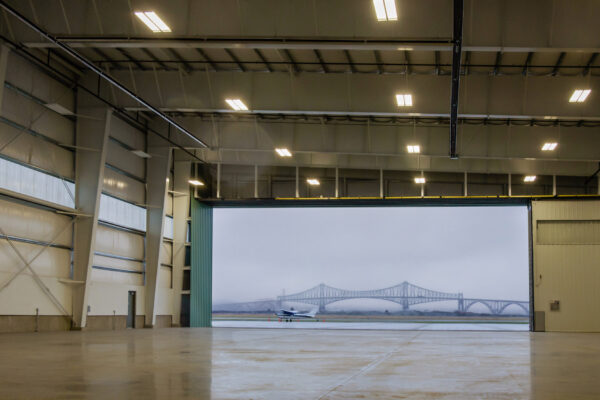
<point>123,123</point>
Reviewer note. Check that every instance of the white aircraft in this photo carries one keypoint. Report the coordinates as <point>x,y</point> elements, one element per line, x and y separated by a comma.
<point>290,315</point>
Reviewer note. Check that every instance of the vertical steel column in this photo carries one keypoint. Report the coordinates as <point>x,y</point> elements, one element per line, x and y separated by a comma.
<point>93,128</point>
<point>218,180</point>
<point>157,167</point>
<point>297,182</point>
<point>422,186</point>
<point>509,185</point>
<point>466,191</point>
<point>337,182</point>
<point>3,63</point>
<point>381,183</point>
<point>181,211</point>
<point>256,181</point>
<point>553,185</point>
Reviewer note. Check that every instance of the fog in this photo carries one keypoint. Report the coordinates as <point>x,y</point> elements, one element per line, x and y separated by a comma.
<point>260,252</point>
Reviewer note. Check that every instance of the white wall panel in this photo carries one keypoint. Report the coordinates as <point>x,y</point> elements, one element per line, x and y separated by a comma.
<point>33,223</point>
<point>123,187</point>
<point>37,152</point>
<point>118,278</point>
<point>127,134</point>
<point>26,112</point>
<point>117,263</point>
<point>24,75</point>
<point>565,269</point>
<point>106,297</point>
<point>125,160</point>
<point>23,296</point>
<point>120,243</point>
<point>52,262</point>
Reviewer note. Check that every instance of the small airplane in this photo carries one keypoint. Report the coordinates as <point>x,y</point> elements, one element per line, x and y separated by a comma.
<point>290,315</point>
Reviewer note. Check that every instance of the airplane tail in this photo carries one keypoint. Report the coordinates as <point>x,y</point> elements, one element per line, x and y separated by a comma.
<point>312,313</point>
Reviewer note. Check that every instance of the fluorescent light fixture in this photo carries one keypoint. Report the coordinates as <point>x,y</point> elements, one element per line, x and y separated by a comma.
<point>415,148</point>
<point>529,178</point>
<point>385,10</point>
<point>404,100</point>
<point>549,146</point>
<point>313,181</point>
<point>420,179</point>
<point>59,109</point>
<point>196,182</point>
<point>152,21</point>
<point>236,104</point>
<point>580,95</point>
<point>141,153</point>
<point>283,152</point>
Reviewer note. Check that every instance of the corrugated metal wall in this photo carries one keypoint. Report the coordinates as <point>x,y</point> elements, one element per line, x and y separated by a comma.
<point>201,273</point>
<point>566,262</point>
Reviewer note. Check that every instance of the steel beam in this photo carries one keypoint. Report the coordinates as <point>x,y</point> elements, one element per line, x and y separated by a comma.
<point>456,58</point>
<point>292,43</point>
<point>90,65</point>
<point>93,130</point>
<point>157,167</point>
<point>181,211</point>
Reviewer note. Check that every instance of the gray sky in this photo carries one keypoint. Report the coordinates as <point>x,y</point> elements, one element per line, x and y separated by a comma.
<point>480,251</point>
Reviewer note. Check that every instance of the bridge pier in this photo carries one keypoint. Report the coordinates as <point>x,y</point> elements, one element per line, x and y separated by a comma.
<point>461,303</point>
<point>321,308</point>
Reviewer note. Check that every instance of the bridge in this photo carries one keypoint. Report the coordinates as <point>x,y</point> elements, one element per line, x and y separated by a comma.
<point>405,294</point>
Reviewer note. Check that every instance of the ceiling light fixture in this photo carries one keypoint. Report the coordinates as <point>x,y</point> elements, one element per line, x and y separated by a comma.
<point>404,100</point>
<point>420,180</point>
<point>580,95</point>
<point>530,178</point>
<point>283,152</point>
<point>549,146</point>
<point>415,148</point>
<point>313,181</point>
<point>385,10</point>
<point>236,104</point>
<point>196,182</point>
<point>152,21</point>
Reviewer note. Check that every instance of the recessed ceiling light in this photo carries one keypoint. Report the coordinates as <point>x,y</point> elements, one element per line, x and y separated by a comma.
<point>141,153</point>
<point>549,146</point>
<point>529,178</point>
<point>152,21</point>
<point>404,100</point>
<point>419,180</point>
<point>415,148</point>
<point>313,181</point>
<point>283,152</point>
<point>196,182</point>
<point>236,104</point>
<point>580,95</point>
<point>385,10</point>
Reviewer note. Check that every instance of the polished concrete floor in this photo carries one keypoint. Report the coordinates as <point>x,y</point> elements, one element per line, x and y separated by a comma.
<point>228,363</point>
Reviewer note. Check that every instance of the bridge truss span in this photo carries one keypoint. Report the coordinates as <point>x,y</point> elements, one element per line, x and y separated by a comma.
<point>405,294</point>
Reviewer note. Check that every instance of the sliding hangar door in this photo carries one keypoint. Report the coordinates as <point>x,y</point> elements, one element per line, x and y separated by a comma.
<point>367,267</point>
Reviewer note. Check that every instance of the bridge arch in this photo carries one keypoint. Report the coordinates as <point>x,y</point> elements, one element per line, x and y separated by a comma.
<point>485,303</point>
<point>518,304</point>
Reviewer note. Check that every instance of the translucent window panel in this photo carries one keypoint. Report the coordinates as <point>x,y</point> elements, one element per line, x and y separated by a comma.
<point>122,213</point>
<point>30,182</point>
<point>168,228</point>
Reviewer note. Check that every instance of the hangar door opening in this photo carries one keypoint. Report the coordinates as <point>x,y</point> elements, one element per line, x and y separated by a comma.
<point>438,268</point>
